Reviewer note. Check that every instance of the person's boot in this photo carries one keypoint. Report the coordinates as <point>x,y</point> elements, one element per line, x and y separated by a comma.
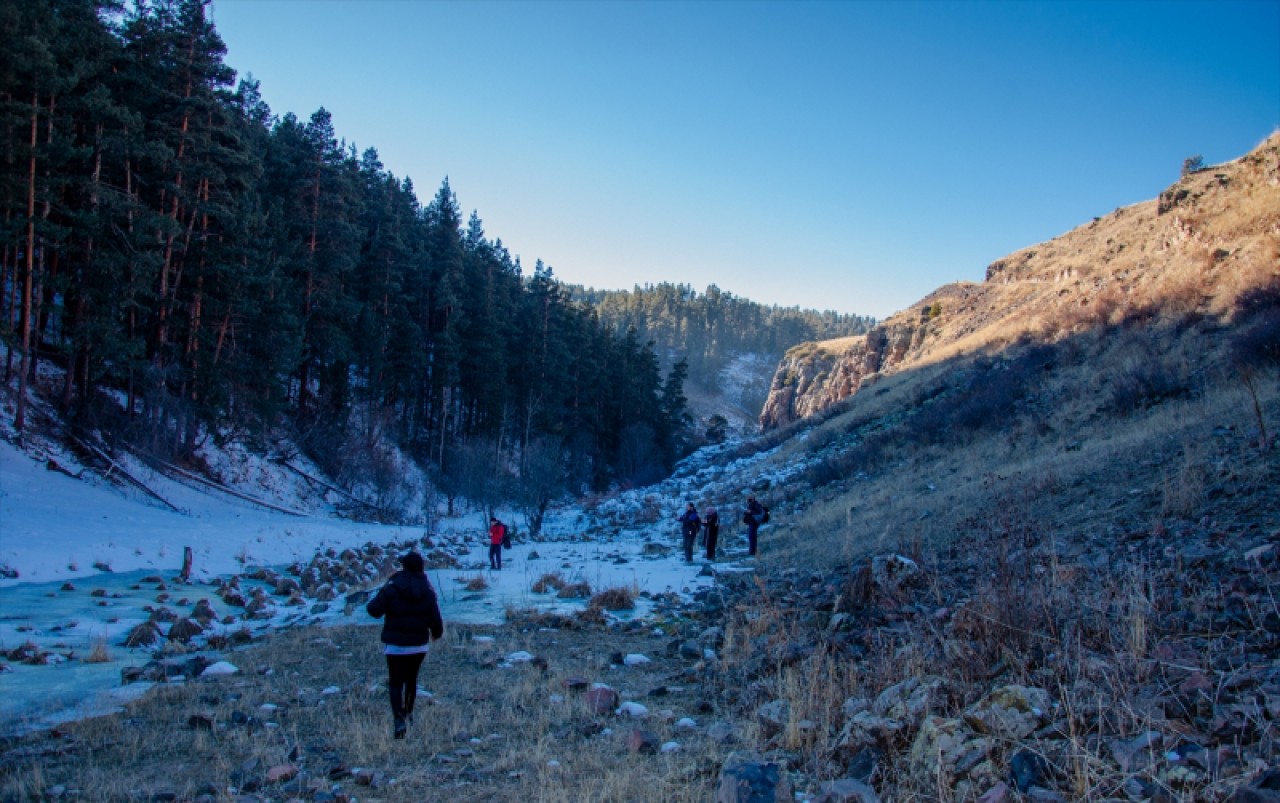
<point>397,711</point>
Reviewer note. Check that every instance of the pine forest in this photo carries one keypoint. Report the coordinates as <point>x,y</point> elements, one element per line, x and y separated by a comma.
<point>197,266</point>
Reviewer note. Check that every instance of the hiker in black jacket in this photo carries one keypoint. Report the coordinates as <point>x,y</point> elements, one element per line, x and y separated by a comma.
<point>413,622</point>
<point>690,523</point>
<point>753,517</point>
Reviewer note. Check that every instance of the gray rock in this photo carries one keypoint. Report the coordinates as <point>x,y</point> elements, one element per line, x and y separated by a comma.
<point>601,699</point>
<point>997,794</point>
<point>642,742</point>
<point>1010,711</point>
<point>748,778</point>
<point>1028,770</point>
<point>722,733</point>
<point>846,790</point>
<point>773,716</point>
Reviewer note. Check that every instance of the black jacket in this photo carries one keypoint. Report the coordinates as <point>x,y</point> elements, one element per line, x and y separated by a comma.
<point>413,615</point>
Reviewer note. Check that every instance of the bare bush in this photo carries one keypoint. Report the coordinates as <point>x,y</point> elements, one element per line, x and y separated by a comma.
<point>619,598</point>
<point>552,581</point>
<point>581,590</point>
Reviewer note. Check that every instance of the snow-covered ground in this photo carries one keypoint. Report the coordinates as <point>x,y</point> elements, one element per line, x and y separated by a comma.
<point>85,561</point>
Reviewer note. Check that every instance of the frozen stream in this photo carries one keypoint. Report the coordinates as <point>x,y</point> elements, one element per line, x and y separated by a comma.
<point>70,618</point>
<point>116,551</point>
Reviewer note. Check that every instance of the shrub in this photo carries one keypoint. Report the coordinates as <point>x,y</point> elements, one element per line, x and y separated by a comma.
<point>575,591</point>
<point>98,652</point>
<point>986,397</point>
<point>619,598</point>
<point>1259,299</point>
<point>1146,384</point>
<point>552,581</point>
<point>1258,344</point>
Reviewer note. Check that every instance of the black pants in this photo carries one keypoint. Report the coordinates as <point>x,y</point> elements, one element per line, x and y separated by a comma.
<point>751,538</point>
<point>402,683</point>
<point>495,556</point>
<point>690,535</point>
<point>713,533</point>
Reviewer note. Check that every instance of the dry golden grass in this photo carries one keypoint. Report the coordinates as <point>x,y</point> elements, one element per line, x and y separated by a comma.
<point>619,598</point>
<point>485,733</point>
<point>475,583</point>
<point>98,653</point>
<point>551,581</point>
<point>579,590</point>
<point>922,491</point>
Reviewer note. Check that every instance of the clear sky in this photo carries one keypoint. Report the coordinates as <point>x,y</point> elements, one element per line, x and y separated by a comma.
<point>830,155</point>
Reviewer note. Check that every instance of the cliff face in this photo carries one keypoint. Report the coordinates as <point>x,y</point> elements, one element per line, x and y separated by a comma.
<point>814,376</point>
<point>1208,238</point>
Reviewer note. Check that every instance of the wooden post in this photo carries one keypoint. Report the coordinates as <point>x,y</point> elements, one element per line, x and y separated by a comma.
<point>186,564</point>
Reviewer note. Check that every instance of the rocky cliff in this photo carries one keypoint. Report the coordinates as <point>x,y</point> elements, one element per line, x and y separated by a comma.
<point>1210,237</point>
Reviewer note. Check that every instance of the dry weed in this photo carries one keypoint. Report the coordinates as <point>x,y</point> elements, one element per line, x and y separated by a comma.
<point>579,590</point>
<point>551,581</point>
<point>619,598</point>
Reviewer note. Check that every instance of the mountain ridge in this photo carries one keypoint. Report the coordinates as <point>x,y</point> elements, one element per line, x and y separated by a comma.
<point>1209,237</point>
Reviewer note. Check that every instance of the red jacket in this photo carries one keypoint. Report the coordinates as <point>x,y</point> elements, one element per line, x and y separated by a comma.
<point>496,531</point>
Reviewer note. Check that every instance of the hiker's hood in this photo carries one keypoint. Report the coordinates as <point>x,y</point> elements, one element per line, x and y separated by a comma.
<point>411,586</point>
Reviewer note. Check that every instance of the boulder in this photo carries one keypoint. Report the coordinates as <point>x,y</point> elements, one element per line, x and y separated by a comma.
<point>601,699</point>
<point>910,700</point>
<point>773,717</point>
<point>1012,712</point>
<point>941,747</point>
<point>748,778</point>
<point>846,790</point>
<point>642,742</point>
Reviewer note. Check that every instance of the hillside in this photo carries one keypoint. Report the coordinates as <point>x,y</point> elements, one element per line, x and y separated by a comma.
<point>1210,237</point>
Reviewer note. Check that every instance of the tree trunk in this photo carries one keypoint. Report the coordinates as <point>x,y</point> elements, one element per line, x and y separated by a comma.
<point>20,415</point>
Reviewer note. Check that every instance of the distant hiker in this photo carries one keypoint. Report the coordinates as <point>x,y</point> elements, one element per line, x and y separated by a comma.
<point>690,524</point>
<point>711,521</point>
<point>413,622</point>
<point>752,517</point>
<point>497,535</point>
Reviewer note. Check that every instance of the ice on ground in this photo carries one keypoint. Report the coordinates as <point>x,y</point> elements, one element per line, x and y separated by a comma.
<point>82,562</point>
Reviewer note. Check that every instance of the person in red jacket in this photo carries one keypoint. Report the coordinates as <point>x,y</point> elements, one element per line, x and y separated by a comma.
<point>413,622</point>
<point>497,531</point>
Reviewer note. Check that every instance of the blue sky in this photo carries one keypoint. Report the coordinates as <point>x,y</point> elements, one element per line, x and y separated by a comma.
<point>830,155</point>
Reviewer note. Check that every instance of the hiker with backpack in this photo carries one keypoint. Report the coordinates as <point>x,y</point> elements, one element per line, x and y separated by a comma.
<point>690,524</point>
<point>754,515</point>
<point>497,539</point>
<point>413,621</point>
<point>711,521</point>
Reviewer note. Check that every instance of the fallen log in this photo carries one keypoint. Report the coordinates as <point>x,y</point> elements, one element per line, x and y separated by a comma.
<point>113,466</point>
<point>182,472</point>
<point>329,486</point>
